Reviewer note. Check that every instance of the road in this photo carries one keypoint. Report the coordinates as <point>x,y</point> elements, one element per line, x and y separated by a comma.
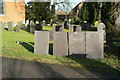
<point>14,68</point>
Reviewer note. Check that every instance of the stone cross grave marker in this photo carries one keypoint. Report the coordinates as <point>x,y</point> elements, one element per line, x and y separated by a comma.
<point>94,45</point>
<point>10,25</point>
<point>41,42</point>
<point>77,44</point>
<point>32,27</point>
<point>60,44</point>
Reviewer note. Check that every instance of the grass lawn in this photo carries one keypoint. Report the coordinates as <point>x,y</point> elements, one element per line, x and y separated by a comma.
<point>49,28</point>
<point>25,51</point>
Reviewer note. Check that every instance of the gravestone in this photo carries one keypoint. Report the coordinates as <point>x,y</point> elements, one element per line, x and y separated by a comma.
<point>70,27</point>
<point>5,25</point>
<point>51,22</point>
<point>85,26</point>
<point>27,22</point>
<point>18,28</point>
<point>77,44</point>
<point>21,25</point>
<point>41,42</point>
<point>94,45</point>
<point>10,25</point>
<point>60,44</point>
<point>62,27</point>
<point>1,26</point>
<point>37,22</point>
<point>32,27</point>
<point>76,28</point>
<point>58,28</point>
<point>54,27</point>
<point>38,27</point>
<point>43,23</point>
<point>101,29</point>
<point>79,28</point>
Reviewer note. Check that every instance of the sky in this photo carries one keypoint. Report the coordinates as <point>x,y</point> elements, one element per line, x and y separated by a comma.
<point>73,2</point>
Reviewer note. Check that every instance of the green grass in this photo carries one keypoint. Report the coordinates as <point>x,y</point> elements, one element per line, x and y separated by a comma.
<point>49,28</point>
<point>25,51</point>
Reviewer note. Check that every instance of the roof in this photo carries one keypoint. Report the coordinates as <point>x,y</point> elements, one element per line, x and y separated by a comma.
<point>61,13</point>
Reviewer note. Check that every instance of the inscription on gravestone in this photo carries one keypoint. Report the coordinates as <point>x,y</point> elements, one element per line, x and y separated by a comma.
<point>10,25</point>
<point>60,44</point>
<point>94,45</point>
<point>77,44</point>
<point>41,42</point>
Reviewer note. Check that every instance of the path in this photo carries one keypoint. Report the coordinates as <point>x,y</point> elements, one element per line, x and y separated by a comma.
<point>14,68</point>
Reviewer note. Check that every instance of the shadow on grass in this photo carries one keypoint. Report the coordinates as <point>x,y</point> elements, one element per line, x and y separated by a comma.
<point>112,50</point>
<point>28,47</point>
<point>6,29</point>
<point>96,66</point>
<point>32,43</point>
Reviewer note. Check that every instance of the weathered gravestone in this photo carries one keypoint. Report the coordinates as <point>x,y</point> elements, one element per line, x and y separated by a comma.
<point>21,25</point>
<point>77,44</point>
<point>43,23</point>
<point>79,28</point>
<point>32,27</point>
<point>18,28</point>
<point>101,29</point>
<point>54,27</point>
<point>76,28</point>
<point>10,25</point>
<point>41,42</point>
<point>1,26</point>
<point>5,25</point>
<point>70,27</point>
<point>51,22</point>
<point>94,45</point>
<point>60,44</point>
<point>85,26</point>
